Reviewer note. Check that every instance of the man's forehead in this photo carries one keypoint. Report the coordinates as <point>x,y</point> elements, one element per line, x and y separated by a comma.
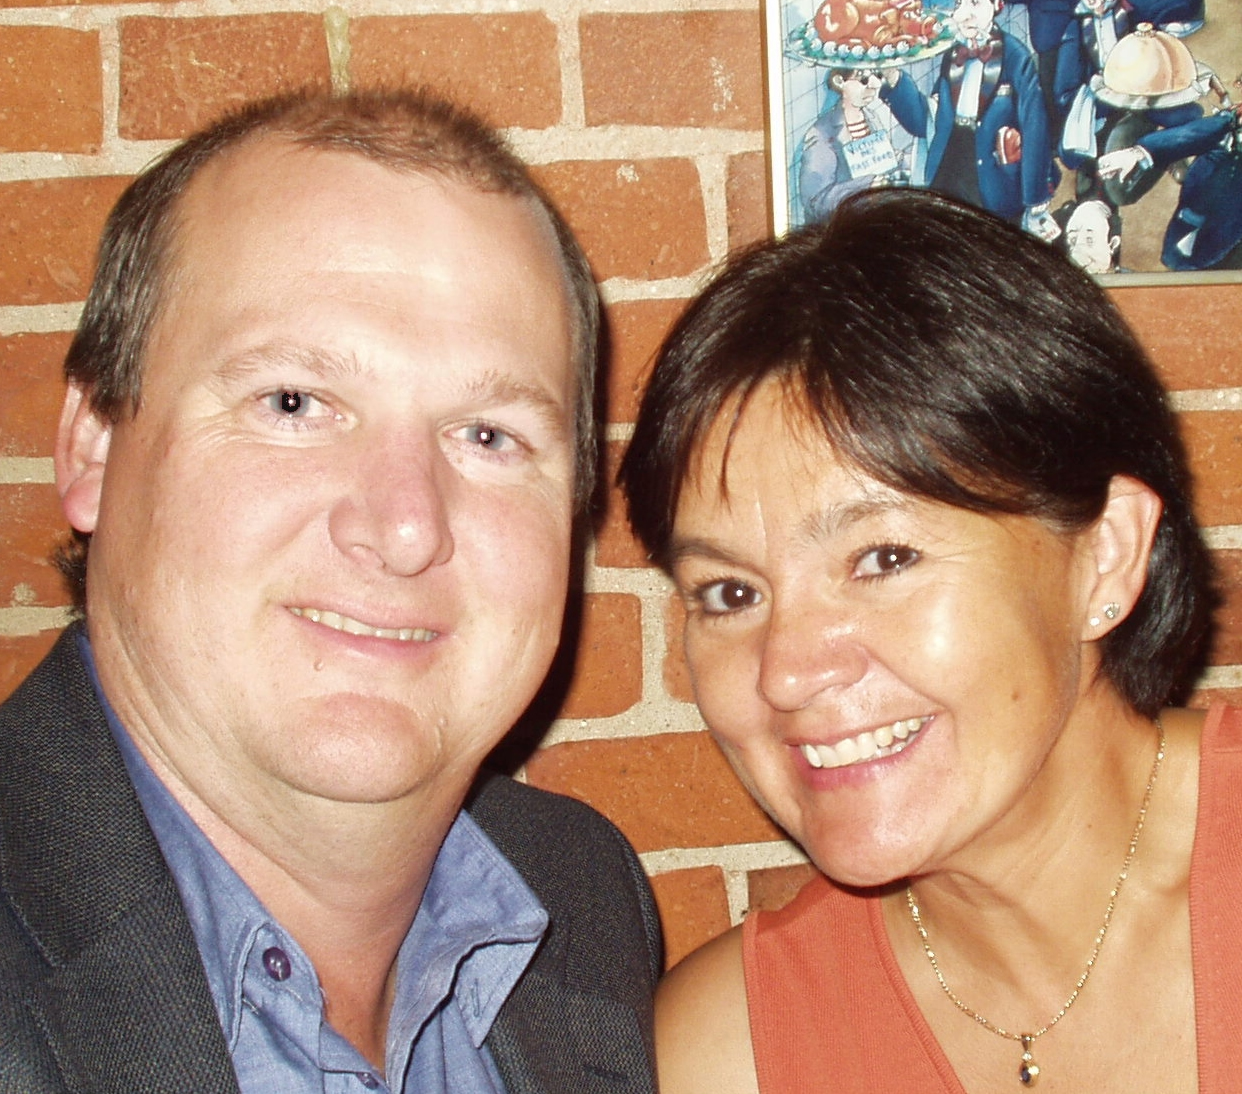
<point>271,195</point>
<point>271,225</point>
<point>264,169</point>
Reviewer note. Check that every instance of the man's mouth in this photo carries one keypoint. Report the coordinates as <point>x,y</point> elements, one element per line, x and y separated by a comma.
<point>338,622</point>
<point>884,741</point>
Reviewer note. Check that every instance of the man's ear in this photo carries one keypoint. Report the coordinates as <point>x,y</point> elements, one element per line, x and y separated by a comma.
<point>1120,543</point>
<point>82,443</point>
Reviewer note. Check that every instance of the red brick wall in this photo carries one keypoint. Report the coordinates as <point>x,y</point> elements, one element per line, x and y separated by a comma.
<point>647,125</point>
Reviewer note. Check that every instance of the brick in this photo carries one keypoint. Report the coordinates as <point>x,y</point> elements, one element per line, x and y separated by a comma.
<point>19,655</point>
<point>597,673</point>
<point>676,672</point>
<point>694,909</point>
<point>31,391</point>
<point>615,544</point>
<point>1214,442</point>
<point>663,791</point>
<point>1191,331</point>
<point>51,90</point>
<point>519,85</point>
<point>608,671</point>
<point>9,4</point>
<point>31,525</point>
<point>775,886</point>
<point>746,187</point>
<point>638,219</point>
<point>1227,641</point>
<point>636,329</point>
<point>697,68</point>
<point>50,228</point>
<point>179,74</point>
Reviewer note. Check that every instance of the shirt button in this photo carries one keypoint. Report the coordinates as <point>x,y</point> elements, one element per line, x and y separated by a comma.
<point>277,963</point>
<point>368,1080</point>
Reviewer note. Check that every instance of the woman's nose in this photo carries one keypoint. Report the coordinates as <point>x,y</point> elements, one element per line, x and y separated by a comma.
<point>806,651</point>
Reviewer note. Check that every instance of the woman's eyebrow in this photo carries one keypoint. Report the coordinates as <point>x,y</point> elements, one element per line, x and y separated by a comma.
<point>837,519</point>
<point>819,526</point>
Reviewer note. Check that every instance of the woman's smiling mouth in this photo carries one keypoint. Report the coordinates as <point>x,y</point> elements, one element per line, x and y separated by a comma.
<point>884,741</point>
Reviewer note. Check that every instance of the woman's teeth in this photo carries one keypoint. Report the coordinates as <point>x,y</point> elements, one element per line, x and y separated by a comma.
<point>884,741</point>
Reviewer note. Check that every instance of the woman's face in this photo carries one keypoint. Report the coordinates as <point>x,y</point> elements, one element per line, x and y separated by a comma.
<point>886,674</point>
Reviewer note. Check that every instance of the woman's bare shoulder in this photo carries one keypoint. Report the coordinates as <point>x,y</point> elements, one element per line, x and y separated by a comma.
<point>702,1028</point>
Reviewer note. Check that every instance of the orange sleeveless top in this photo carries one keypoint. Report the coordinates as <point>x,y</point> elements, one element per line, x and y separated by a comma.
<point>830,1010</point>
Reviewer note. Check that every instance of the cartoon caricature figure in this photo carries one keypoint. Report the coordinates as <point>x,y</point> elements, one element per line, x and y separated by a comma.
<point>1050,22</point>
<point>1089,39</point>
<point>1119,79</point>
<point>849,147</point>
<point>1205,230</point>
<point>1091,234</point>
<point>985,121</point>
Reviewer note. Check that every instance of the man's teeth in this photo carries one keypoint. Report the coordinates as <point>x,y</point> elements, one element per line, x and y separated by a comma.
<point>885,741</point>
<point>340,622</point>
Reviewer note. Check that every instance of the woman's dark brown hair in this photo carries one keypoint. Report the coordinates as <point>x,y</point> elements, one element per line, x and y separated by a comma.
<point>954,357</point>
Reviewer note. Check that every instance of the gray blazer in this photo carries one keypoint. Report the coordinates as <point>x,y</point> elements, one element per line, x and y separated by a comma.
<point>101,986</point>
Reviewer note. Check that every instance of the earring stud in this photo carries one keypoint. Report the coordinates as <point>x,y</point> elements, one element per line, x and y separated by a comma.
<point>1111,610</point>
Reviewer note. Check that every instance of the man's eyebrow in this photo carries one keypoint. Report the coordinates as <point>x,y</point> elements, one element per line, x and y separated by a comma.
<point>490,388</point>
<point>315,359</point>
<point>496,388</point>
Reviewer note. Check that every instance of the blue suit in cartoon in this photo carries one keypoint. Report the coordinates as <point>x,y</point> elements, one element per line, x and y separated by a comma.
<point>1205,231</point>
<point>1010,104</point>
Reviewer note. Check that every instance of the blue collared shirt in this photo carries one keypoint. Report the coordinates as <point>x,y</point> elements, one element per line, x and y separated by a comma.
<point>476,930</point>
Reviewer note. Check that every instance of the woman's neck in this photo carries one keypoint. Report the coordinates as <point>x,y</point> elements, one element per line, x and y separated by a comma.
<point>1014,918</point>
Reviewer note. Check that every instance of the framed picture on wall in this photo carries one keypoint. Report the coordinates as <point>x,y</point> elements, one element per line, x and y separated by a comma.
<point>1109,126</point>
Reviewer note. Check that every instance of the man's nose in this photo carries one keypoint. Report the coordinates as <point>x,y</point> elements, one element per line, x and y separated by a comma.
<point>808,650</point>
<point>394,512</point>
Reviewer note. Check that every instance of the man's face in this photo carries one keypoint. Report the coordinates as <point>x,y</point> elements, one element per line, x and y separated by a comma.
<point>973,19</point>
<point>330,551</point>
<point>861,87</point>
<point>1089,239</point>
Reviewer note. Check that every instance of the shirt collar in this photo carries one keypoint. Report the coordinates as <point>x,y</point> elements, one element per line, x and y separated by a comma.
<point>476,929</point>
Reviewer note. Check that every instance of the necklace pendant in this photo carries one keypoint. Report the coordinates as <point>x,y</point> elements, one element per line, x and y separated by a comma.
<point>1028,1072</point>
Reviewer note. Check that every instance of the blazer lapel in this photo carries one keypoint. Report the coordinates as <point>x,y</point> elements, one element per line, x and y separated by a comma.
<point>124,1003</point>
<point>551,1039</point>
<point>578,1019</point>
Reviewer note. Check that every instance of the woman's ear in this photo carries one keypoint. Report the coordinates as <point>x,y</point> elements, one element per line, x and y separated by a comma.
<point>1120,544</point>
<point>82,443</point>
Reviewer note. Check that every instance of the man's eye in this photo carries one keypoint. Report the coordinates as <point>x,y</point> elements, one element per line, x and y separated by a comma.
<point>886,559</point>
<point>723,597</point>
<point>489,437</point>
<point>290,404</point>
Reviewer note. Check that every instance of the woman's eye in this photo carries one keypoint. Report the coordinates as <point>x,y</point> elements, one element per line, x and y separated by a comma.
<point>886,559</point>
<point>723,597</point>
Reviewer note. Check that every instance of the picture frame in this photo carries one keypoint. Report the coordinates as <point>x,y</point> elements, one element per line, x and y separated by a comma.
<point>1136,168</point>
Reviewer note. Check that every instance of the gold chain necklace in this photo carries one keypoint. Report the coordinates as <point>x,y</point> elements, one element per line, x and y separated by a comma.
<point>1028,1071</point>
